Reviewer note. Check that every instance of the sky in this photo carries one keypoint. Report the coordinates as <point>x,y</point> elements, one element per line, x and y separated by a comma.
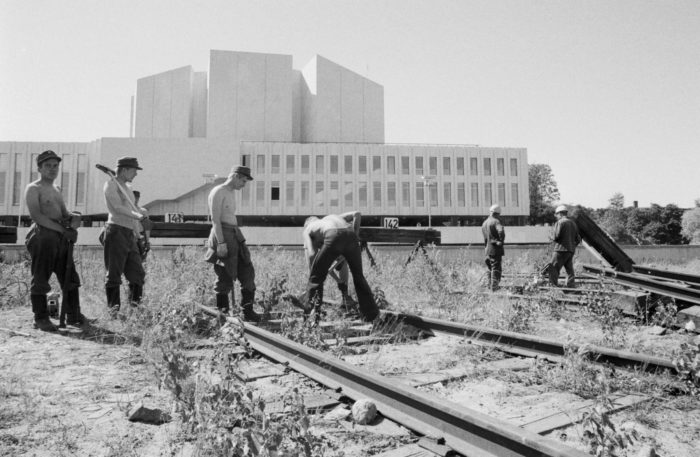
<point>606,92</point>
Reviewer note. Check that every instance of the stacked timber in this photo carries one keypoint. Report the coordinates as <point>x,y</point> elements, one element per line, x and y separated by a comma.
<point>367,234</point>
<point>601,242</point>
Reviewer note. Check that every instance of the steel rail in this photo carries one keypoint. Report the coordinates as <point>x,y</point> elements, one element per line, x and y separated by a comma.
<point>676,291</point>
<point>519,342</point>
<point>693,280</point>
<point>467,432</point>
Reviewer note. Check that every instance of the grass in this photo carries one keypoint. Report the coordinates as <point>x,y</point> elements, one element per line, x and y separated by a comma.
<point>223,416</point>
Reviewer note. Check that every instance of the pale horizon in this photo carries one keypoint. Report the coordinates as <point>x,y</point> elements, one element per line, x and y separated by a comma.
<point>607,93</point>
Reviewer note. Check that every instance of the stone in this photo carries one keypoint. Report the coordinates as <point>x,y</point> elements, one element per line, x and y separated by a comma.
<point>646,451</point>
<point>656,330</point>
<point>364,411</point>
<point>139,413</point>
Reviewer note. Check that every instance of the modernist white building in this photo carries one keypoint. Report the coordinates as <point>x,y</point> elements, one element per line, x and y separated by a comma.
<point>314,139</point>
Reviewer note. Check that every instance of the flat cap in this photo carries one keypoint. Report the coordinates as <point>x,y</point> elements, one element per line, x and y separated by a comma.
<point>561,209</point>
<point>241,170</point>
<point>128,162</point>
<point>46,155</point>
<point>495,209</point>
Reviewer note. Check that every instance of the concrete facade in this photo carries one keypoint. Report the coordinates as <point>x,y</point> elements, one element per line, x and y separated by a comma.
<point>314,140</point>
<point>171,104</point>
<point>340,106</point>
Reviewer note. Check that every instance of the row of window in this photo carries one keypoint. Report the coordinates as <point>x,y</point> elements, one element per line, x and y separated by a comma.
<point>63,182</point>
<point>382,194</point>
<point>378,163</point>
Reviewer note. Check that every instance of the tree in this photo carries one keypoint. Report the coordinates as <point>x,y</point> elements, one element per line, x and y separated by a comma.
<point>617,201</point>
<point>690,224</point>
<point>543,193</point>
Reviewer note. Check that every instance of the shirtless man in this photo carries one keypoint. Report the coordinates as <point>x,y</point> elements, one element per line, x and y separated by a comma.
<point>324,241</point>
<point>227,249</point>
<point>121,253</point>
<point>49,242</point>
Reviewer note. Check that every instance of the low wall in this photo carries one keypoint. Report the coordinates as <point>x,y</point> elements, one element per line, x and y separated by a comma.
<point>470,252</point>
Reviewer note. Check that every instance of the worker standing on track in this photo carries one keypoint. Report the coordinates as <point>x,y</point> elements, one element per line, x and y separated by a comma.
<point>566,237</point>
<point>494,237</point>
<point>324,241</point>
<point>227,249</point>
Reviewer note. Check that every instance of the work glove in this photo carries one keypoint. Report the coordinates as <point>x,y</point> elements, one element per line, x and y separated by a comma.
<point>71,235</point>
<point>75,220</point>
<point>221,250</point>
<point>147,224</point>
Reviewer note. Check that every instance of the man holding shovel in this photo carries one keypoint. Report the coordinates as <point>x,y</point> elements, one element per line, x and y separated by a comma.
<point>121,253</point>
<point>50,244</point>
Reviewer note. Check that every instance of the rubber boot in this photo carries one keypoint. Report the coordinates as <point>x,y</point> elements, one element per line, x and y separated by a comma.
<point>113,300</point>
<point>222,303</point>
<point>73,315</point>
<point>135,294</point>
<point>41,314</point>
<point>247,300</point>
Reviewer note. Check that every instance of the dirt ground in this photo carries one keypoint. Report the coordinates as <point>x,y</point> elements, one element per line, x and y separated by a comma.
<point>68,393</point>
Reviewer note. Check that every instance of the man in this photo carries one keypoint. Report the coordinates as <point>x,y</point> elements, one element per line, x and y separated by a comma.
<point>121,253</point>
<point>324,241</point>
<point>50,242</point>
<point>566,238</point>
<point>494,237</point>
<point>227,249</point>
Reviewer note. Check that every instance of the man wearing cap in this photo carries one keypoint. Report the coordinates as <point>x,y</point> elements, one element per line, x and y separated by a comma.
<point>50,242</point>
<point>494,237</point>
<point>121,253</point>
<point>566,238</point>
<point>226,246</point>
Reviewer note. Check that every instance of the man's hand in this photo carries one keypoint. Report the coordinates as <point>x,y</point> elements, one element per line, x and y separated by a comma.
<point>147,224</point>
<point>222,250</point>
<point>74,220</point>
<point>71,235</point>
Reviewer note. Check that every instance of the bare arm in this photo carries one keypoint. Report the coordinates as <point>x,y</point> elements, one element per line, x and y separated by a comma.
<point>215,204</point>
<point>31,196</point>
<point>355,218</point>
<point>309,248</point>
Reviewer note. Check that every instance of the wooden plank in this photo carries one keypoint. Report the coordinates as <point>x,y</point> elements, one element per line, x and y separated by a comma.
<point>313,404</point>
<point>251,370</point>
<point>562,419</point>
<point>410,450</point>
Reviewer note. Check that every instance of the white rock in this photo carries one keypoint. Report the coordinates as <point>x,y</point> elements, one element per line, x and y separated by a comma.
<point>340,412</point>
<point>364,411</point>
<point>690,326</point>
<point>646,451</point>
<point>656,330</point>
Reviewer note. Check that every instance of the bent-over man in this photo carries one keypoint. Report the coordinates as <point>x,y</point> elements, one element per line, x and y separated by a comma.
<point>494,237</point>
<point>324,241</point>
<point>121,252</point>
<point>566,238</point>
<point>227,249</point>
<point>50,243</point>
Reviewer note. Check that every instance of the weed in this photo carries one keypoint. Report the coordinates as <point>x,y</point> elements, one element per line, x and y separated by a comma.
<point>610,318</point>
<point>687,363</point>
<point>665,313</point>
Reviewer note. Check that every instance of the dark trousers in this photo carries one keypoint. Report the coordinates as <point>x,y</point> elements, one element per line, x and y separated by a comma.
<point>495,265</point>
<point>238,264</point>
<point>562,259</point>
<point>49,251</point>
<point>336,243</point>
<point>122,256</point>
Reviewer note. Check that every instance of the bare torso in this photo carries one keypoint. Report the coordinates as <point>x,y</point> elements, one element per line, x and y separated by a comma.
<point>50,200</point>
<point>222,204</point>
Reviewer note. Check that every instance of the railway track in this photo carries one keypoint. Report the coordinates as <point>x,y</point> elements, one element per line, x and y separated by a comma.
<point>654,284</point>
<point>465,431</point>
